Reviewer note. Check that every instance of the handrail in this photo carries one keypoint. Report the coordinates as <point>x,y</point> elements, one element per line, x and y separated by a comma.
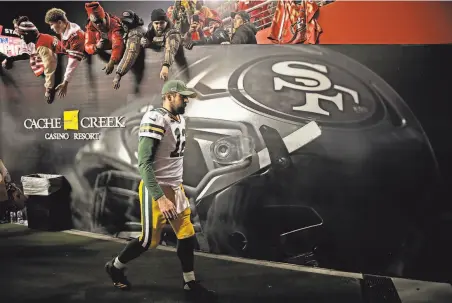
<point>253,8</point>
<point>272,4</point>
<point>227,22</point>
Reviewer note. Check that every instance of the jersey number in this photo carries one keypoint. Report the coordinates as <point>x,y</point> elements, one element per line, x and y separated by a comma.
<point>180,143</point>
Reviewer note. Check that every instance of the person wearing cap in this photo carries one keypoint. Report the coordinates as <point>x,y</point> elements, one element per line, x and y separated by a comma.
<point>244,32</point>
<point>161,35</point>
<point>73,39</point>
<point>161,147</point>
<point>218,34</point>
<point>45,59</point>
<point>103,32</point>
<point>25,51</point>
<point>133,57</point>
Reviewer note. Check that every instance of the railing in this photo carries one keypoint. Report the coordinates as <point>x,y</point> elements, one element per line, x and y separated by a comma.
<point>262,19</point>
<point>265,20</point>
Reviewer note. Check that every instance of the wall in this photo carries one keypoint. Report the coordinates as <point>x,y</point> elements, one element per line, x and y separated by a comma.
<point>365,196</point>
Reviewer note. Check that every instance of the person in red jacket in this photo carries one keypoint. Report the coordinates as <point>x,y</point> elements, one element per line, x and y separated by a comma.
<point>47,48</point>
<point>73,39</point>
<point>103,32</point>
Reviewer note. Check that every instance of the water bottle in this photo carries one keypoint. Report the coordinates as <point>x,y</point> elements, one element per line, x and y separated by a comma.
<point>13,216</point>
<point>20,218</point>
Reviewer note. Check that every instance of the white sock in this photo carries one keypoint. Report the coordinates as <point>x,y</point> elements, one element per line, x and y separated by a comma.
<point>189,276</point>
<point>118,264</point>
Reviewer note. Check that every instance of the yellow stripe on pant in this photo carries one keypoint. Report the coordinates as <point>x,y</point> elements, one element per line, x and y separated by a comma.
<point>152,220</point>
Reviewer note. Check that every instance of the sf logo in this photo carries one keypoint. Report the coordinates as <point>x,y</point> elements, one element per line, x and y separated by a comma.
<point>312,82</point>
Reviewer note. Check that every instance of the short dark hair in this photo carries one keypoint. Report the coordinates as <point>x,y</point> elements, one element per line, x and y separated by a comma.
<point>55,15</point>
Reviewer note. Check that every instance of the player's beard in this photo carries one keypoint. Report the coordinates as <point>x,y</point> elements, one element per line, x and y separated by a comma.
<point>181,110</point>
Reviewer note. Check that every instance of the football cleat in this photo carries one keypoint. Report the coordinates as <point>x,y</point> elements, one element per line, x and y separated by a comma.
<point>117,276</point>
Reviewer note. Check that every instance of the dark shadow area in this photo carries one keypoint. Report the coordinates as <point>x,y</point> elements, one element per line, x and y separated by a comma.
<point>51,212</point>
<point>69,268</point>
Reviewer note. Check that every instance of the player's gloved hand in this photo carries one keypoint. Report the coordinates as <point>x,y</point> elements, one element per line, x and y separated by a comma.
<point>144,42</point>
<point>116,81</point>
<point>167,208</point>
<point>109,67</point>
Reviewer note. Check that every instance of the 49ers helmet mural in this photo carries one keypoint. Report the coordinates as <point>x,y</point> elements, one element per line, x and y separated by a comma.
<point>348,200</point>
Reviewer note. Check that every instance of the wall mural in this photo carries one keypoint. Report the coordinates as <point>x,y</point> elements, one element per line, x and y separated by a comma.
<point>362,196</point>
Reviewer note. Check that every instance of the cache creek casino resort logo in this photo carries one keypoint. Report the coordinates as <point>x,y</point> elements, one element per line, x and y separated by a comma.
<point>71,126</point>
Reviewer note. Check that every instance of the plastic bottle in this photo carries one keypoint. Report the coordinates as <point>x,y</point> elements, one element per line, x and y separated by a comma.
<point>20,218</point>
<point>13,216</point>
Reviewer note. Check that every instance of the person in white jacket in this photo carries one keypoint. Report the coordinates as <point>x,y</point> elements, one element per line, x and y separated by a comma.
<point>73,40</point>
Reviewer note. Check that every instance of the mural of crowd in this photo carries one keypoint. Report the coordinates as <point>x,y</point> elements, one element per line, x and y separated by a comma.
<point>184,24</point>
<point>120,40</point>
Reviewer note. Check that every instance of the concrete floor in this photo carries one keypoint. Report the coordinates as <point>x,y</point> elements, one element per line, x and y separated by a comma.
<point>38,266</point>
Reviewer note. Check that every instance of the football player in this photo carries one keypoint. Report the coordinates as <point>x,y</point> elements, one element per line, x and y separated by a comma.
<point>162,198</point>
<point>73,39</point>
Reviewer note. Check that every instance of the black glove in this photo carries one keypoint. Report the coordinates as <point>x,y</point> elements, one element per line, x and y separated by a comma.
<point>9,63</point>
<point>188,44</point>
<point>50,96</point>
<point>3,57</point>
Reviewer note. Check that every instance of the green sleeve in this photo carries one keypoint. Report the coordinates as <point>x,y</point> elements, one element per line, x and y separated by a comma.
<point>146,151</point>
